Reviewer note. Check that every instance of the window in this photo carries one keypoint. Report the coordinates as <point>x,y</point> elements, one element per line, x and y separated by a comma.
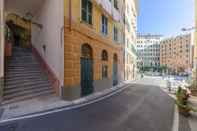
<point>86,11</point>
<point>104,55</point>
<point>115,34</point>
<point>104,71</point>
<point>104,26</point>
<point>116,4</point>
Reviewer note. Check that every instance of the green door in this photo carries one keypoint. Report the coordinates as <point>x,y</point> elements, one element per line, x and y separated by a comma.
<point>115,74</point>
<point>86,76</point>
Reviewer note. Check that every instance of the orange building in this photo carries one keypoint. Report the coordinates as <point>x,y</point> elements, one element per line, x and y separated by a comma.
<point>177,53</point>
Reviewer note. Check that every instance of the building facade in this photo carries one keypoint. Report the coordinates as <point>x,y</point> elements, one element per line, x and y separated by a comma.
<point>194,75</point>
<point>177,53</point>
<point>130,28</point>
<point>79,44</point>
<point>148,50</point>
<point>93,40</point>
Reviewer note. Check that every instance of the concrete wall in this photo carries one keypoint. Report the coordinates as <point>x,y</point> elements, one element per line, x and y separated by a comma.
<point>51,17</point>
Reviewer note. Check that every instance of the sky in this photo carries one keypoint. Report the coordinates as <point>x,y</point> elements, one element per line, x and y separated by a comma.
<point>165,17</point>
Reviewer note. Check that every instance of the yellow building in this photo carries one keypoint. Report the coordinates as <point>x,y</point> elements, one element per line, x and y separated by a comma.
<point>93,53</point>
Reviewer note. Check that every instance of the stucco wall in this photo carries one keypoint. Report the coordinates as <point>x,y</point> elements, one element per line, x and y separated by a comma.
<point>51,16</point>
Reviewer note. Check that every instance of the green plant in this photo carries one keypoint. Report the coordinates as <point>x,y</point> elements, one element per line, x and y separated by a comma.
<point>182,102</point>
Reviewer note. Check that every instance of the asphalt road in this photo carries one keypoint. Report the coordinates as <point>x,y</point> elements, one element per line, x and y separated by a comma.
<point>137,108</point>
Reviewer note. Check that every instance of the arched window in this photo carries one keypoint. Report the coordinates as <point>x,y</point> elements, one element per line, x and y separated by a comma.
<point>115,58</point>
<point>86,51</point>
<point>104,55</point>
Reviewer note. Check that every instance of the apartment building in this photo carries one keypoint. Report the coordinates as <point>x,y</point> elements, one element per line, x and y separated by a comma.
<point>67,48</point>
<point>177,53</point>
<point>148,50</point>
<point>130,28</point>
<point>93,46</point>
<point>194,74</point>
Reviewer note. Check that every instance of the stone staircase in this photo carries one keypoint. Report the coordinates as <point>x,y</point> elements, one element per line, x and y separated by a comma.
<point>24,78</point>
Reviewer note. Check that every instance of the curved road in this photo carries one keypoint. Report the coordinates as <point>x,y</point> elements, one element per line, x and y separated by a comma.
<point>137,108</point>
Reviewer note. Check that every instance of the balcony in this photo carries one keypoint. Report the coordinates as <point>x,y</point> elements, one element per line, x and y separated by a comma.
<point>110,9</point>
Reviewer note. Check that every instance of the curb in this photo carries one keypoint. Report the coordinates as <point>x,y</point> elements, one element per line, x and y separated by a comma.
<point>96,97</point>
<point>175,126</point>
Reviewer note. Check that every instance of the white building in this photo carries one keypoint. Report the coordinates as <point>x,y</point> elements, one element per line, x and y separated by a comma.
<point>130,29</point>
<point>148,50</point>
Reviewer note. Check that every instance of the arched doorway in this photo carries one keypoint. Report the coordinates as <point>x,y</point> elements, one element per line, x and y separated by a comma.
<point>20,30</point>
<point>115,70</point>
<point>86,70</point>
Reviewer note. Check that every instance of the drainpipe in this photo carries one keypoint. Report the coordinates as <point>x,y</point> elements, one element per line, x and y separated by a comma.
<point>1,48</point>
<point>70,15</point>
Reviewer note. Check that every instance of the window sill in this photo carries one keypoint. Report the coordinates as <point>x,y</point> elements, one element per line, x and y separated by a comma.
<point>87,24</point>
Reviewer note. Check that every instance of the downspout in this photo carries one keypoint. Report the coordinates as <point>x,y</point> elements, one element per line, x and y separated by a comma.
<point>70,15</point>
<point>2,46</point>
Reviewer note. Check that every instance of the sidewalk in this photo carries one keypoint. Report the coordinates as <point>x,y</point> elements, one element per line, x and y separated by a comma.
<point>190,123</point>
<point>193,117</point>
<point>44,104</point>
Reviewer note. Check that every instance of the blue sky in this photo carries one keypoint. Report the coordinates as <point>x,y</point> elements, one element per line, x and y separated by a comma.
<point>165,17</point>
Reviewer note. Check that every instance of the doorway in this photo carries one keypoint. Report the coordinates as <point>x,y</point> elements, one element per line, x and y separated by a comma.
<point>115,70</point>
<point>86,70</point>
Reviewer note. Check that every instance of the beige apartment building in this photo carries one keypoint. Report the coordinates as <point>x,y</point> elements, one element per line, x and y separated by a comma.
<point>177,53</point>
<point>130,29</point>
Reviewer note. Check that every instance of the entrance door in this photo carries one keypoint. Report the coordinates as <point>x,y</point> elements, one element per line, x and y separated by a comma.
<point>115,70</point>
<point>86,76</point>
<point>86,71</point>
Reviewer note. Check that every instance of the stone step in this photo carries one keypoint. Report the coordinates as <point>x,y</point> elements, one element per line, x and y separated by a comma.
<point>24,78</point>
<point>26,85</point>
<point>13,66</point>
<point>26,92</point>
<point>22,56</point>
<point>15,82</point>
<point>18,60</point>
<point>30,96</point>
<point>24,74</point>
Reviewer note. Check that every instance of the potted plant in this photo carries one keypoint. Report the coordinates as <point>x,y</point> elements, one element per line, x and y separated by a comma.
<point>182,96</point>
<point>8,43</point>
